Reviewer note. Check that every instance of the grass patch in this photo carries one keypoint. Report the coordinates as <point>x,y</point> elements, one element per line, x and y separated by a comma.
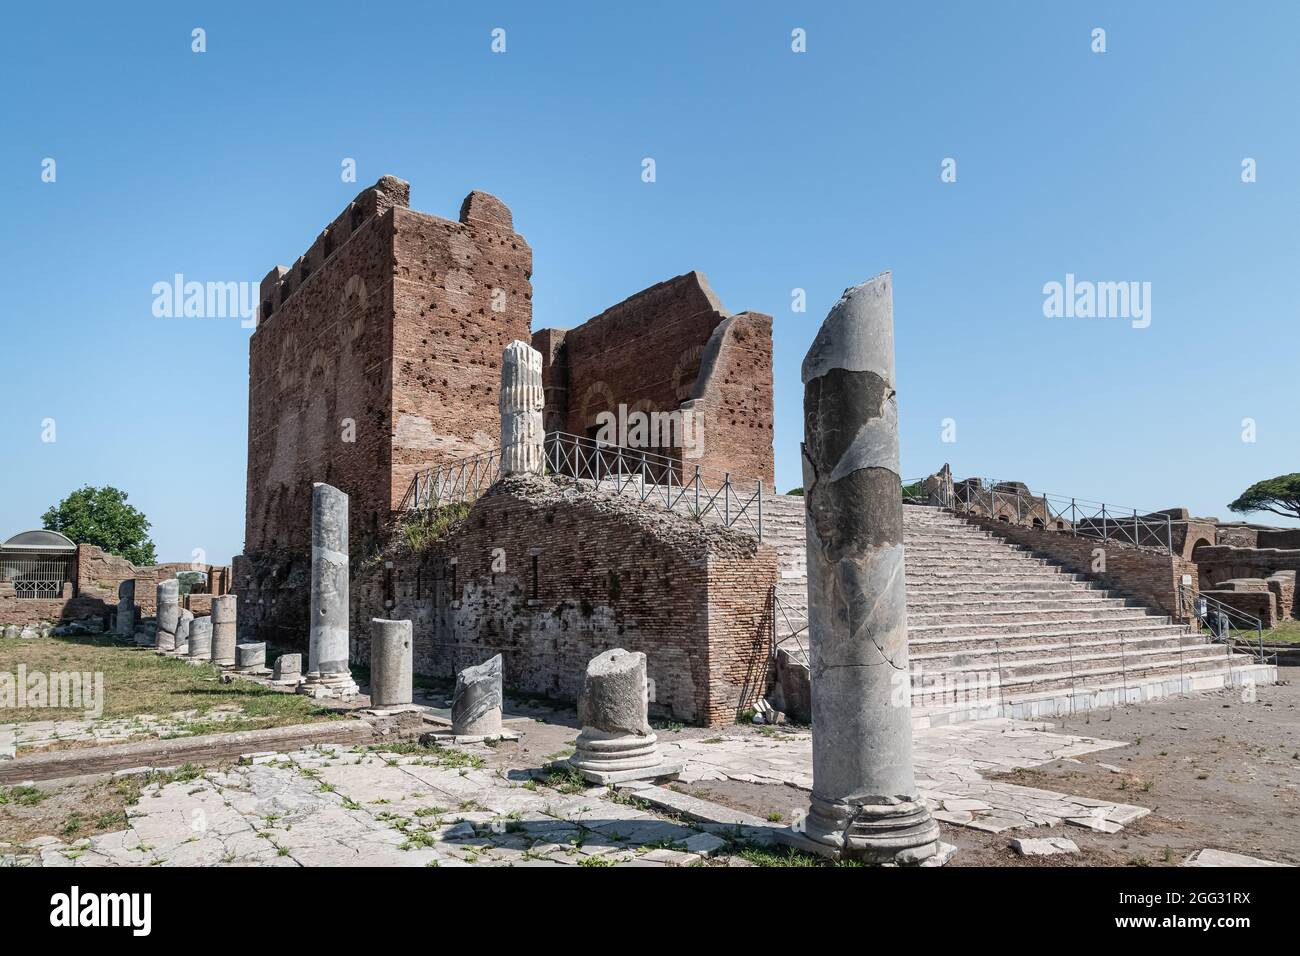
<point>565,780</point>
<point>137,681</point>
<point>786,856</point>
<point>419,531</point>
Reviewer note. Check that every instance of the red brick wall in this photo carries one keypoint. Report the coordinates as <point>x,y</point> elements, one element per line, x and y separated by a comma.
<point>461,295</point>
<point>609,574</point>
<point>322,357</point>
<point>670,344</point>
<point>389,321</point>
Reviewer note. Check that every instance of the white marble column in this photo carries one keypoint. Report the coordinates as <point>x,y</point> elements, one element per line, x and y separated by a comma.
<point>864,804</point>
<point>328,674</point>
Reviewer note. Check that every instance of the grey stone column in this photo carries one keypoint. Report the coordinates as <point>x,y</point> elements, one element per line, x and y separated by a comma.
<point>476,702</point>
<point>184,618</point>
<point>327,669</point>
<point>391,653</point>
<point>521,402</point>
<point>168,613</point>
<point>200,639</point>
<point>126,608</point>
<point>864,802</point>
<point>223,630</point>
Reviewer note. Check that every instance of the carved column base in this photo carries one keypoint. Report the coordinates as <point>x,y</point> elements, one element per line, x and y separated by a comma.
<point>901,832</point>
<point>604,752</point>
<point>323,686</point>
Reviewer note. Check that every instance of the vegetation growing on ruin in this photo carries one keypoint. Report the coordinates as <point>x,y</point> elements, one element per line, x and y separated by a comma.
<point>422,530</point>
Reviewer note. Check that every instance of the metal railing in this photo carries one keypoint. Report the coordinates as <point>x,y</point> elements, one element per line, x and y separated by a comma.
<point>1013,504</point>
<point>657,479</point>
<point>457,481</point>
<point>783,612</point>
<point>1222,619</point>
<point>35,577</point>
<point>652,478</point>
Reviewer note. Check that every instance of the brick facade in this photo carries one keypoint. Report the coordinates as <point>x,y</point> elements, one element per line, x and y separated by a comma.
<point>584,572</point>
<point>668,348</point>
<point>378,354</point>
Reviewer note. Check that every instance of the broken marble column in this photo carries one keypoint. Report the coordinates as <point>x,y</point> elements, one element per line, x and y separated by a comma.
<point>616,742</point>
<point>391,652</point>
<point>476,702</point>
<point>185,617</point>
<point>521,403</point>
<point>328,674</point>
<point>250,657</point>
<point>223,630</point>
<point>288,668</point>
<point>865,804</point>
<point>126,608</point>
<point>168,614</point>
<point>200,639</point>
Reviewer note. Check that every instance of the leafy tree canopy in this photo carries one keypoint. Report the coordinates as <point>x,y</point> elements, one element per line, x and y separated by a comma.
<point>1280,495</point>
<point>101,516</point>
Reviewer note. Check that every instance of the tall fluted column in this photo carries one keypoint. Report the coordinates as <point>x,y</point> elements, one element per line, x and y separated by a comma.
<point>864,803</point>
<point>328,674</point>
<point>521,404</point>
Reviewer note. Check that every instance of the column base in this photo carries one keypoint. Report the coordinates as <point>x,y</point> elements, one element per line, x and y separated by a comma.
<point>321,686</point>
<point>598,750</point>
<point>900,833</point>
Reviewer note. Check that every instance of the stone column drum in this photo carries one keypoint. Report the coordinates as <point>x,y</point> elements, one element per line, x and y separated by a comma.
<point>126,608</point>
<point>864,803</point>
<point>168,614</point>
<point>200,640</point>
<point>327,665</point>
<point>521,404</point>
<point>391,654</point>
<point>613,708</point>
<point>185,617</point>
<point>223,630</point>
<point>476,702</point>
<point>251,657</point>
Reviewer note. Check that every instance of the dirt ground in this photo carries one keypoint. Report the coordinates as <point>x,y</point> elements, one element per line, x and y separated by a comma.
<point>1214,770</point>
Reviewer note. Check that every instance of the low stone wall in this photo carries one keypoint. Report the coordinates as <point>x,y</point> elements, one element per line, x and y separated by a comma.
<point>549,577</point>
<point>1257,603</point>
<point>1151,577</point>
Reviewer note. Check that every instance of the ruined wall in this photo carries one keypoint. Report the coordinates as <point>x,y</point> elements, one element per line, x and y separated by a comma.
<point>319,362</point>
<point>461,295</point>
<point>1149,576</point>
<point>378,355</point>
<point>670,346</point>
<point>584,573</point>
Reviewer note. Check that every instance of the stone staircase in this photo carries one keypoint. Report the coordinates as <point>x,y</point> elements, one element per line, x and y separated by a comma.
<point>997,631</point>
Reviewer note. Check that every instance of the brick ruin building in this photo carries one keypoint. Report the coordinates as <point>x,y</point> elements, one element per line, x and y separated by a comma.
<point>378,356</point>
<point>376,368</point>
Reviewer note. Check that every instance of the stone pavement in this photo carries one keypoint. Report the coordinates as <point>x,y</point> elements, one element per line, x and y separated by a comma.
<point>949,761</point>
<point>36,735</point>
<point>330,805</point>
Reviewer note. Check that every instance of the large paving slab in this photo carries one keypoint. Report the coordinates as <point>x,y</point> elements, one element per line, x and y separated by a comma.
<point>332,805</point>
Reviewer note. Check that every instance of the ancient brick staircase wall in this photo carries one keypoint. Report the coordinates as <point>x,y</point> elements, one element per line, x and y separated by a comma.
<point>550,577</point>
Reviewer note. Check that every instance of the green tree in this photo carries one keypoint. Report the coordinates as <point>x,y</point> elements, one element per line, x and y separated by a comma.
<point>1280,495</point>
<point>101,516</point>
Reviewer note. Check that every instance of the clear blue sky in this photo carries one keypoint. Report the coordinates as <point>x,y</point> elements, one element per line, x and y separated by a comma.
<point>775,170</point>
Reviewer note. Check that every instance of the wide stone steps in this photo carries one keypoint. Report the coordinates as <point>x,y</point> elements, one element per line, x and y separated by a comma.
<point>978,605</point>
